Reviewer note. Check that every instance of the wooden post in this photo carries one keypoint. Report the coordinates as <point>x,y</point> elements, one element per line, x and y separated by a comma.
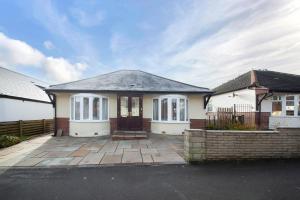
<point>44,126</point>
<point>20,128</point>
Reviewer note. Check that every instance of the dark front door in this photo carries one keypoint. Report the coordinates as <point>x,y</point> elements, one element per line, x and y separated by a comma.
<point>130,112</point>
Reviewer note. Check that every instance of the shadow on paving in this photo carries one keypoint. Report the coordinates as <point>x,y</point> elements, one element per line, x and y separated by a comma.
<point>48,151</point>
<point>247,180</point>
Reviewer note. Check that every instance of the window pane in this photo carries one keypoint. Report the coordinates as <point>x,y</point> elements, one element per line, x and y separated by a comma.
<point>124,106</point>
<point>85,108</point>
<point>276,108</point>
<point>155,109</point>
<point>174,109</point>
<point>182,109</point>
<point>72,108</point>
<point>104,109</point>
<point>299,106</point>
<point>290,105</point>
<point>135,106</point>
<point>77,108</point>
<point>164,109</point>
<point>96,109</point>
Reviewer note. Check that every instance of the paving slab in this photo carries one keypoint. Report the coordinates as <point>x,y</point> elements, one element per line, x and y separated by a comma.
<point>57,154</point>
<point>132,157</point>
<point>54,162</point>
<point>80,153</point>
<point>75,161</point>
<point>147,158</point>
<point>111,159</point>
<point>92,158</point>
<point>29,162</point>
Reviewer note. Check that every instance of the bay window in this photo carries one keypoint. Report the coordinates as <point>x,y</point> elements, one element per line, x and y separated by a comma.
<point>276,106</point>
<point>88,107</point>
<point>170,108</point>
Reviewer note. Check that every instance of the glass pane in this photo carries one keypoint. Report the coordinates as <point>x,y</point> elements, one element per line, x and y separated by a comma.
<point>174,109</point>
<point>290,98</point>
<point>135,105</point>
<point>187,110</point>
<point>164,109</point>
<point>72,108</point>
<point>155,109</point>
<point>290,113</point>
<point>77,108</point>
<point>276,108</point>
<point>124,106</point>
<point>85,108</point>
<point>104,109</point>
<point>299,106</point>
<point>96,110</point>
<point>182,109</point>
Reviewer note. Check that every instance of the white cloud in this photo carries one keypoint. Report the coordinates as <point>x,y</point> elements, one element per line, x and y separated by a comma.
<point>209,43</point>
<point>48,45</point>
<point>87,19</point>
<point>16,53</point>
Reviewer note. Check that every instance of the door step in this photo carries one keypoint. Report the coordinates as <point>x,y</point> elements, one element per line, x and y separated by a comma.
<point>129,135</point>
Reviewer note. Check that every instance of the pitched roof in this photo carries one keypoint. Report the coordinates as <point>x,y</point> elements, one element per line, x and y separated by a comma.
<point>19,85</point>
<point>274,81</point>
<point>128,80</point>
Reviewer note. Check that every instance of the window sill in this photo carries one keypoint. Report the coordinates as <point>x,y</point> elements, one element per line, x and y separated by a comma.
<point>171,122</point>
<point>284,116</point>
<point>89,121</point>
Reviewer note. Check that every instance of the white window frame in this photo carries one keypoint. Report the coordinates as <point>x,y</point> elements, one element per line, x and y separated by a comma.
<point>283,104</point>
<point>170,97</point>
<point>90,97</point>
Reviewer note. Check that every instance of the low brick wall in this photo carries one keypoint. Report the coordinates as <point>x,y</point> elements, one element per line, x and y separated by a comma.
<point>202,145</point>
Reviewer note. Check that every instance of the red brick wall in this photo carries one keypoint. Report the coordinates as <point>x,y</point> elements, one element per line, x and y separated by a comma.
<point>264,120</point>
<point>63,123</point>
<point>197,123</point>
<point>147,124</point>
<point>113,124</point>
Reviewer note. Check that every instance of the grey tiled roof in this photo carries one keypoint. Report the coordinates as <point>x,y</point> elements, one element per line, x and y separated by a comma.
<point>274,81</point>
<point>18,85</point>
<point>241,82</point>
<point>128,80</point>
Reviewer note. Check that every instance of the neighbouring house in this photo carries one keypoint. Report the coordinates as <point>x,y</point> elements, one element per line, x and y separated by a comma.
<point>128,100</point>
<point>23,98</point>
<point>273,95</point>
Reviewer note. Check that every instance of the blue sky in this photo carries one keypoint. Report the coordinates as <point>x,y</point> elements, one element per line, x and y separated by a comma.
<point>194,41</point>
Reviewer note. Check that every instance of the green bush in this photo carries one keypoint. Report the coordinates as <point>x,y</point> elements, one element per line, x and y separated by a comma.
<point>6,140</point>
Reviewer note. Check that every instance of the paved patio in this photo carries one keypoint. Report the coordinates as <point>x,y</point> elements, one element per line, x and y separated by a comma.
<point>48,151</point>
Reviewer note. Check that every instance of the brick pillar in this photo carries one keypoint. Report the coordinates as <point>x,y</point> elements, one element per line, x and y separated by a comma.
<point>113,124</point>
<point>63,123</point>
<point>197,123</point>
<point>147,125</point>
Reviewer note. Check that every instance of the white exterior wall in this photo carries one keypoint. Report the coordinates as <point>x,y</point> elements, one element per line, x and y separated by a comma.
<point>14,110</point>
<point>89,129</point>
<point>245,96</point>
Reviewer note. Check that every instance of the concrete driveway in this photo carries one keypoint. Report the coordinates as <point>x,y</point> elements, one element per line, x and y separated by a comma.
<point>48,151</point>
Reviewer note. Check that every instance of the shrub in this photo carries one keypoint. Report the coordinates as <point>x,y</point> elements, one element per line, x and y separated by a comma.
<point>6,140</point>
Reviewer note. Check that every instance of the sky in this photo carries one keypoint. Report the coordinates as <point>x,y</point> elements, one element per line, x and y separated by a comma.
<point>200,42</point>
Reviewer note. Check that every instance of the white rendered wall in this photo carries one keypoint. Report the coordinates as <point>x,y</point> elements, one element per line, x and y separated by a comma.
<point>14,110</point>
<point>88,129</point>
<point>245,96</point>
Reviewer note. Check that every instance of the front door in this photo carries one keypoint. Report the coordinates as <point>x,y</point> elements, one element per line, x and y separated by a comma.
<point>130,112</point>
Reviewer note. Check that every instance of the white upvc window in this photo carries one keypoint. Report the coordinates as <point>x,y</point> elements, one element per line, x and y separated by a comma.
<point>276,106</point>
<point>286,105</point>
<point>170,108</point>
<point>88,108</point>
